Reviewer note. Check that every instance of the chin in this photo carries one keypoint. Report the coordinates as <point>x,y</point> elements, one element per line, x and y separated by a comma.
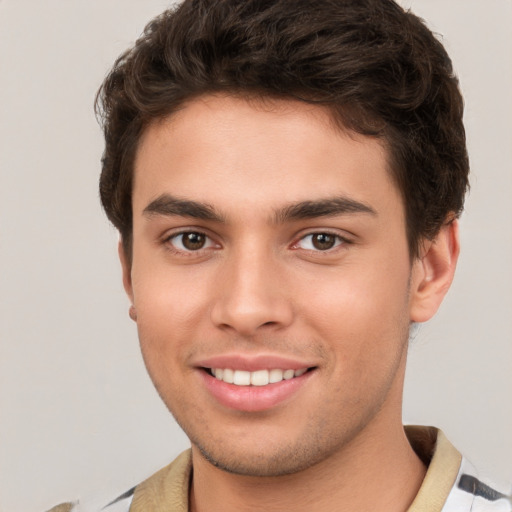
<point>278,463</point>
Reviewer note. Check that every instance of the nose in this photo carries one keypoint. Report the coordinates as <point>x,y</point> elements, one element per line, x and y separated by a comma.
<point>251,295</point>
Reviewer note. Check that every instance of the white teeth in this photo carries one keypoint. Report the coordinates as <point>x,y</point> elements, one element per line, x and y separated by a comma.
<point>275,376</point>
<point>241,378</point>
<point>227,375</point>
<point>288,374</point>
<point>257,378</point>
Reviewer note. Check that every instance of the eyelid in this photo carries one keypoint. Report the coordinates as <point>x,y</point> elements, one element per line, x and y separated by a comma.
<point>342,240</point>
<point>167,239</point>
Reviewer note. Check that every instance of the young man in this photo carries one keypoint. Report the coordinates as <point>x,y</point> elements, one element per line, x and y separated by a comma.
<point>286,178</point>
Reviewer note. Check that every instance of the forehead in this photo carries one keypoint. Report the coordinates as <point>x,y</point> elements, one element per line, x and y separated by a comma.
<point>254,153</point>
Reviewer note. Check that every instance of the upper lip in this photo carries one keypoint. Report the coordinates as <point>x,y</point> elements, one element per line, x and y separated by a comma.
<point>252,363</point>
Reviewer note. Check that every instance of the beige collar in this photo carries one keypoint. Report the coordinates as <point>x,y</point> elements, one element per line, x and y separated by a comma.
<point>168,489</point>
<point>443,461</point>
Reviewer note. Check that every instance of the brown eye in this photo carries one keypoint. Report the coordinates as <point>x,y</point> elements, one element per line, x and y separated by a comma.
<point>188,242</point>
<point>193,241</point>
<point>323,241</point>
<point>320,242</point>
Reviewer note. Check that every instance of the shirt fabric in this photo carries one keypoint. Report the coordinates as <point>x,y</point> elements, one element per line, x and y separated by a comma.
<point>451,483</point>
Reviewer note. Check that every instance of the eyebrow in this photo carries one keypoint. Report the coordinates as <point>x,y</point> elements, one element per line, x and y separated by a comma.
<point>328,207</point>
<point>167,205</point>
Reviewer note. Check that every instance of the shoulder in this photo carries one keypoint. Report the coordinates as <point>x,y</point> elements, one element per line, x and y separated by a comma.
<point>167,486</point>
<point>120,504</point>
<point>451,483</point>
<point>471,492</point>
<point>63,507</point>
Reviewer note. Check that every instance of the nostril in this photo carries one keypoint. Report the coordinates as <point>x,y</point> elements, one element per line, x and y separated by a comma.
<point>246,314</point>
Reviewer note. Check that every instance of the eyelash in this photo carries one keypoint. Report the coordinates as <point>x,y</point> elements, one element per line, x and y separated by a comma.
<point>340,242</point>
<point>168,243</point>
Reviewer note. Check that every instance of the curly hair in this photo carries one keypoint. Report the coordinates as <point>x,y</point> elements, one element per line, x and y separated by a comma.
<point>377,68</point>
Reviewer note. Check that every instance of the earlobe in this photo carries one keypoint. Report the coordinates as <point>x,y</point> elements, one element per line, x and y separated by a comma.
<point>433,271</point>
<point>132,313</point>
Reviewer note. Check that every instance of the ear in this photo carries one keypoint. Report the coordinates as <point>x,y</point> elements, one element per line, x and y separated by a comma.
<point>127,271</point>
<point>433,271</point>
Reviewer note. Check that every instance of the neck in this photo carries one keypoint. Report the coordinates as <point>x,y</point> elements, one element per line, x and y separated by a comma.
<point>373,472</point>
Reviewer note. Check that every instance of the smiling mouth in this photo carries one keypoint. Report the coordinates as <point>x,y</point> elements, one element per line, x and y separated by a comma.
<point>256,378</point>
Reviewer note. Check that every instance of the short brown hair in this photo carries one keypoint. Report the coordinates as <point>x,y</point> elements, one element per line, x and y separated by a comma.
<point>378,69</point>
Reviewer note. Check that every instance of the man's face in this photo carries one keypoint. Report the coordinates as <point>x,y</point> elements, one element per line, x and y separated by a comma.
<point>266,244</point>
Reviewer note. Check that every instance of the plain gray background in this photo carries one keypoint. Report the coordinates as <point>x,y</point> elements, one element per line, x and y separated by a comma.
<point>78,415</point>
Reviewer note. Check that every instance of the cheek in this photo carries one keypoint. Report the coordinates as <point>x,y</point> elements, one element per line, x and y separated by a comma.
<point>169,302</point>
<point>369,296</point>
<point>172,311</point>
<point>363,316</point>
<point>163,344</point>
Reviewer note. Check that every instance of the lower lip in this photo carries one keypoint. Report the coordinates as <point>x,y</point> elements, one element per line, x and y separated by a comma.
<point>253,398</point>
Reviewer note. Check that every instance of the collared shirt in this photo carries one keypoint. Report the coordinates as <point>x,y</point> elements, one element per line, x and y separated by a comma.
<point>451,483</point>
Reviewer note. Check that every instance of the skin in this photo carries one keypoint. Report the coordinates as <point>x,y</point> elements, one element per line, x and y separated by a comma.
<point>259,286</point>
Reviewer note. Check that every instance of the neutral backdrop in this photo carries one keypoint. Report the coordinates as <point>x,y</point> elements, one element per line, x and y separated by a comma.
<point>78,415</point>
